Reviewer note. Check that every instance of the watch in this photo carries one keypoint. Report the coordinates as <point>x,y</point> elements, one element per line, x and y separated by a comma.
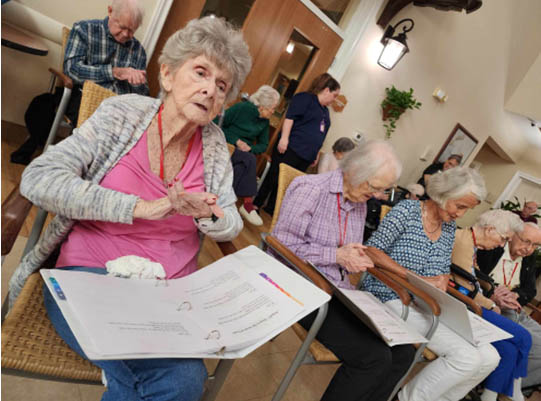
<point>492,306</point>
<point>213,218</point>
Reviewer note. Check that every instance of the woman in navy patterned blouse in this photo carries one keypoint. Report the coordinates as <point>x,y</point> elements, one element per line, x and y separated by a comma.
<point>418,236</point>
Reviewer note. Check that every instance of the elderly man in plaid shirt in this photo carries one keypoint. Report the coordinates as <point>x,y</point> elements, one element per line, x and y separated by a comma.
<point>104,51</point>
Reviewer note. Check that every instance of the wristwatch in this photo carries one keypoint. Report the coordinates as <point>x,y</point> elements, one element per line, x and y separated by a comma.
<point>213,218</point>
<point>492,306</point>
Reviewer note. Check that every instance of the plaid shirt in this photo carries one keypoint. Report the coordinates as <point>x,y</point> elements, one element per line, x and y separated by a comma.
<point>308,222</point>
<point>92,52</point>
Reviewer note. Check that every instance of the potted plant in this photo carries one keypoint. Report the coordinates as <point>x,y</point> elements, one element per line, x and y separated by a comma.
<point>395,103</point>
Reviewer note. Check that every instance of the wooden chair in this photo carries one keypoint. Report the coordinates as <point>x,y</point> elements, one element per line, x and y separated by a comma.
<point>30,345</point>
<point>319,354</point>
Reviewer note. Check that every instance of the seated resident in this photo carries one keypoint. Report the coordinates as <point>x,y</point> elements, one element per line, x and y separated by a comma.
<point>493,229</point>
<point>415,192</point>
<point>418,236</point>
<point>527,212</point>
<point>104,51</point>
<point>452,161</point>
<point>322,220</point>
<point>246,125</point>
<point>145,177</point>
<point>329,162</point>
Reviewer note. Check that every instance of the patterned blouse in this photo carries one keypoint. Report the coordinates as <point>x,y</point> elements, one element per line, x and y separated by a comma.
<point>401,236</point>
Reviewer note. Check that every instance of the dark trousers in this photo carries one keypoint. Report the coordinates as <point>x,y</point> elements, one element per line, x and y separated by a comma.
<point>244,173</point>
<point>270,185</point>
<point>370,368</point>
<point>40,114</point>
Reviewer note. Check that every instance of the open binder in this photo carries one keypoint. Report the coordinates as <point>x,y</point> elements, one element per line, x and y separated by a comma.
<point>225,310</point>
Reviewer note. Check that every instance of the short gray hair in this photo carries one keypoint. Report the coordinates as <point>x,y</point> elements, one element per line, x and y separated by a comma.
<point>368,160</point>
<point>215,38</point>
<point>266,96</point>
<point>343,145</point>
<point>454,184</point>
<point>502,220</point>
<point>132,7</point>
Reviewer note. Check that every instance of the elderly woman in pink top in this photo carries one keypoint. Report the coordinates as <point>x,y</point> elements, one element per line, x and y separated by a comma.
<point>146,177</point>
<point>322,220</point>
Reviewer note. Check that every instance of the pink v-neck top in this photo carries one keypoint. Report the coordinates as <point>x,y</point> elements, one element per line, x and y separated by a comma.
<point>173,242</point>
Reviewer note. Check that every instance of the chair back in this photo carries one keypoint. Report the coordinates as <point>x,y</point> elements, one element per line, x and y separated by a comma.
<point>93,95</point>
<point>285,176</point>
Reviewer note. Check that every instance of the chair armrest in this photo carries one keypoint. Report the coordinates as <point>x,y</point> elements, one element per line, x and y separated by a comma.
<point>312,274</point>
<point>533,307</point>
<point>226,247</point>
<point>467,300</point>
<point>429,301</point>
<point>316,277</point>
<point>15,209</point>
<point>66,81</point>
<point>401,291</point>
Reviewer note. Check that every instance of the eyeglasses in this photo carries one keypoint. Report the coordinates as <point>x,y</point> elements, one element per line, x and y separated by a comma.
<point>528,243</point>
<point>372,188</point>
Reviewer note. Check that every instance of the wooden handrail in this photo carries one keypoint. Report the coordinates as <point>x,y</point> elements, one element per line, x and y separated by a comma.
<point>15,209</point>
<point>321,282</point>
<point>300,264</point>
<point>467,300</point>
<point>432,304</point>
<point>393,285</point>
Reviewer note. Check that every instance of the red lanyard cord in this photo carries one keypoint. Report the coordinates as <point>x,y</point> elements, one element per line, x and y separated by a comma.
<point>512,273</point>
<point>162,156</point>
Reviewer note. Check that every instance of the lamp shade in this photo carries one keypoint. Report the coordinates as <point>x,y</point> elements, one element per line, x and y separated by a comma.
<point>393,51</point>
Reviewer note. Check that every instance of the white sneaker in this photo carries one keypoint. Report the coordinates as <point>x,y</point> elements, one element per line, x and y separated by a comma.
<point>252,217</point>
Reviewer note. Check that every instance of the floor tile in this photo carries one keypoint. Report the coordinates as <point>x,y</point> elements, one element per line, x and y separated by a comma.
<point>18,388</point>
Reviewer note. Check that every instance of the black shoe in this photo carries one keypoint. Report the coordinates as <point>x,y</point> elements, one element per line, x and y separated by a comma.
<point>23,155</point>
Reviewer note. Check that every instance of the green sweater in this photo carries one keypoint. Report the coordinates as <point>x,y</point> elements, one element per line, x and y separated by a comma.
<point>242,121</point>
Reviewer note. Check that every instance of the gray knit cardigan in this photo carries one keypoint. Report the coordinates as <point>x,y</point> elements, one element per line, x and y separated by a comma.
<point>65,179</point>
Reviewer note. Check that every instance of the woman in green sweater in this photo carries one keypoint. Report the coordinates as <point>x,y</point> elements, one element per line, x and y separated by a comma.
<point>246,125</point>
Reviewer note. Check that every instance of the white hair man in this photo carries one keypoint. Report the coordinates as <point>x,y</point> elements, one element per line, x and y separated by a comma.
<point>513,267</point>
<point>103,51</point>
<point>527,212</point>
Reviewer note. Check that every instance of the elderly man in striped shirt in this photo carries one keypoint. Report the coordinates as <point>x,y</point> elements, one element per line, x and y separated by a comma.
<point>104,51</point>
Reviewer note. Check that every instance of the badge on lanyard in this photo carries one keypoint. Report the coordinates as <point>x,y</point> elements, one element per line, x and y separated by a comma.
<point>322,126</point>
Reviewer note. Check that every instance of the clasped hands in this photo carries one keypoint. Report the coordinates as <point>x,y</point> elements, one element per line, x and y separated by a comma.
<point>505,298</point>
<point>178,201</point>
<point>353,258</point>
<point>133,76</point>
<point>243,145</point>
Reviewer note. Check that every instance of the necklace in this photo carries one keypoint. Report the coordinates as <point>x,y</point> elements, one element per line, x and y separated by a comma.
<point>425,216</point>
<point>162,154</point>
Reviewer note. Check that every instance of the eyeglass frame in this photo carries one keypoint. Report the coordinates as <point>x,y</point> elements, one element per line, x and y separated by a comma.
<point>528,242</point>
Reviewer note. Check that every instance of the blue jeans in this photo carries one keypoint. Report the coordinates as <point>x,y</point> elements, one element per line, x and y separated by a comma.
<point>513,353</point>
<point>165,379</point>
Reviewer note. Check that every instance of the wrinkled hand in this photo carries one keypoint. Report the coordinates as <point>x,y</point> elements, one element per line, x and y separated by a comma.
<point>505,298</point>
<point>243,146</point>
<point>153,210</point>
<point>282,145</point>
<point>353,259</point>
<point>198,205</point>
<point>440,281</point>
<point>133,76</point>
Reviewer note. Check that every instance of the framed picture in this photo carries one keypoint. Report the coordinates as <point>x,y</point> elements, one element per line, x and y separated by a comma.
<point>459,142</point>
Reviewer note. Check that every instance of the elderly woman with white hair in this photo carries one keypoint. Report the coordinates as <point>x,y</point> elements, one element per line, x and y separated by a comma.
<point>418,236</point>
<point>491,230</point>
<point>322,220</point>
<point>246,125</point>
<point>145,177</point>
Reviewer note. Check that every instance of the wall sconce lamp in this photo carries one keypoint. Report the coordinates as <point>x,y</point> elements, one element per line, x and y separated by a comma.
<point>394,47</point>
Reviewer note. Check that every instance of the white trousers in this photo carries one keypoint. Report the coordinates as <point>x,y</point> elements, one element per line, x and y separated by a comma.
<point>459,367</point>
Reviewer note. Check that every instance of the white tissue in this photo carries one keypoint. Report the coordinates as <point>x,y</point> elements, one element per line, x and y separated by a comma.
<point>135,266</point>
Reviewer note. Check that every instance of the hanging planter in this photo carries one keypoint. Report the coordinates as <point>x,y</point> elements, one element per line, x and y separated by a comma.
<point>395,103</point>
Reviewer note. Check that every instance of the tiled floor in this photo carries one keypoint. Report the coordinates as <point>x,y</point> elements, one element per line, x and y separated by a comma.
<point>254,378</point>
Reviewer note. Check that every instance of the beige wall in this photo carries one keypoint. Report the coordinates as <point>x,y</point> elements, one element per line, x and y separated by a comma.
<point>466,55</point>
<point>25,76</point>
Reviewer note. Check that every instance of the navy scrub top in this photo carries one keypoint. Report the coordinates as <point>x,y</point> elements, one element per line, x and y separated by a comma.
<point>311,123</point>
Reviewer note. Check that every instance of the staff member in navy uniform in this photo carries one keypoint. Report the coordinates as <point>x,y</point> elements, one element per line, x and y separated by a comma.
<point>303,132</point>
